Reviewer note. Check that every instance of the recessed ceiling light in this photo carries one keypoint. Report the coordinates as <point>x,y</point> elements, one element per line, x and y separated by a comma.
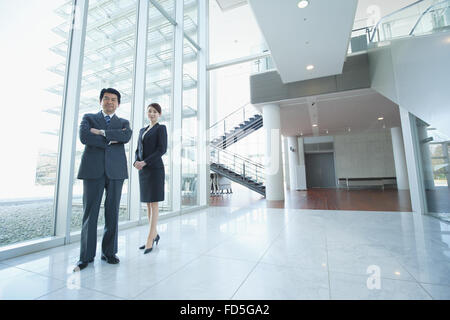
<point>380,118</point>
<point>310,67</point>
<point>315,125</point>
<point>303,4</point>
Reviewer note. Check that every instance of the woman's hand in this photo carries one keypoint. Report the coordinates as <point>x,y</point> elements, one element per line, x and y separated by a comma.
<point>139,165</point>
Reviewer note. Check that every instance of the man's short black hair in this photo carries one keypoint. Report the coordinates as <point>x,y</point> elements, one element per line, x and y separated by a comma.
<point>112,91</point>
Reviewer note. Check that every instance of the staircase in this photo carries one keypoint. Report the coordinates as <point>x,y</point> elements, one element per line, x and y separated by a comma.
<point>228,131</point>
<point>238,169</point>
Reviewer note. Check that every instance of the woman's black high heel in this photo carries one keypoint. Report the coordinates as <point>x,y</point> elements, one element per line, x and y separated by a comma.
<point>153,244</point>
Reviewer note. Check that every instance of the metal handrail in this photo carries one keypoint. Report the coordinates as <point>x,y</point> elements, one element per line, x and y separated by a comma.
<point>226,117</point>
<point>424,13</point>
<point>239,133</point>
<point>233,119</point>
<point>245,167</point>
<point>390,15</point>
<point>219,150</point>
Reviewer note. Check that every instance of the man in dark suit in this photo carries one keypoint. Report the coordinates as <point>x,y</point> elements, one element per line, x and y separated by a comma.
<point>103,167</point>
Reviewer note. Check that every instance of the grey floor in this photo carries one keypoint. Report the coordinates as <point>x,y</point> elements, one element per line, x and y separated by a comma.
<point>247,253</point>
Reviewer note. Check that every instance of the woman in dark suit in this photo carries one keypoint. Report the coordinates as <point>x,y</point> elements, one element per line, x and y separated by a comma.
<point>152,145</point>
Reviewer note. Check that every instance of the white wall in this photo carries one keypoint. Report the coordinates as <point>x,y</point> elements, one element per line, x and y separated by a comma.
<point>364,155</point>
<point>418,72</point>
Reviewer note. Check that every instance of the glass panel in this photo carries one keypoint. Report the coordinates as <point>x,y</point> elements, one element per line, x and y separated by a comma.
<point>32,103</point>
<point>189,152</point>
<point>159,86</point>
<point>402,23</point>
<point>234,79</point>
<point>167,5</point>
<point>108,62</point>
<point>233,33</point>
<point>436,19</point>
<point>433,146</point>
<point>191,19</point>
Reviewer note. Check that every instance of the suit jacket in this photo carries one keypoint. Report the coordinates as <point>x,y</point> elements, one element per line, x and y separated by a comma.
<point>100,157</point>
<point>153,147</point>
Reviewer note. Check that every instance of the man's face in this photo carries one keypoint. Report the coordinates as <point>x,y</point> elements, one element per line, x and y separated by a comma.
<point>110,103</point>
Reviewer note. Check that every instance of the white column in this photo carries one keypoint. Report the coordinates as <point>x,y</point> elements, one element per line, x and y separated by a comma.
<point>273,163</point>
<point>417,191</point>
<point>447,160</point>
<point>286,164</point>
<point>301,170</point>
<point>292,155</point>
<point>401,170</point>
<point>138,109</point>
<point>425,154</point>
<point>69,121</point>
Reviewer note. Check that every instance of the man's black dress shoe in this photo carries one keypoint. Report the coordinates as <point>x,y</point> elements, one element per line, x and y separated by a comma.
<point>82,265</point>
<point>111,260</point>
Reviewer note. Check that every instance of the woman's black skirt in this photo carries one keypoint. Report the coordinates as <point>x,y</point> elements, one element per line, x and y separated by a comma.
<point>151,181</point>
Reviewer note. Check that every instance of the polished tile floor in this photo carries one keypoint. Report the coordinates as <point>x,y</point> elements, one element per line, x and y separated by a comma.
<point>253,253</point>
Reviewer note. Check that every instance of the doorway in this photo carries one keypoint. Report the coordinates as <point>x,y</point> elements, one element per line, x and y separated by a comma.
<point>320,171</point>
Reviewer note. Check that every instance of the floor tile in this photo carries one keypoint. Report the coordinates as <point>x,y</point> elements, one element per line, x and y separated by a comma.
<point>438,292</point>
<point>77,293</point>
<point>356,287</point>
<point>207,278</point>
<point>16,284</point>
<point>284,283</point>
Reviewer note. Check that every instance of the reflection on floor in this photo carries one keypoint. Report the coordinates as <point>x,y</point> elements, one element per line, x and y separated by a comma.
<point>438,200</point>
<point>253,253</point>
<point>320,199</point>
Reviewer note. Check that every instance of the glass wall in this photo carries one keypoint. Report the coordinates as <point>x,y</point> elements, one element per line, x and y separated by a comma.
<point>435,164</point>
<point>159,82</point>
<point>189,151</point>
<point>35,101</point>
<point>235,79</point>
<point>189,154</point>
<point>32,91</point>
<point>108,63</point>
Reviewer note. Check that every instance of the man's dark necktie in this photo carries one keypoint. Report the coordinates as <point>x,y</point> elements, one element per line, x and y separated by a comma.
<point>108,120</point>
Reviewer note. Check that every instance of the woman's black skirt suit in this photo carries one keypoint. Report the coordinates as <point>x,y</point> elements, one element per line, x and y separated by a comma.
<point>151,147</point>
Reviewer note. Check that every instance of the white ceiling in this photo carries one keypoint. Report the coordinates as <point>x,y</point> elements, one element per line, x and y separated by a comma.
<point>318,35</point>
<point>357,109</point>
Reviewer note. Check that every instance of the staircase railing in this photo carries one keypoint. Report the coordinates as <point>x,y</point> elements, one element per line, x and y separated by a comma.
<point>227,124</point>
<point>406,21</point>
<point>247,168</point>
<point>434,18</point>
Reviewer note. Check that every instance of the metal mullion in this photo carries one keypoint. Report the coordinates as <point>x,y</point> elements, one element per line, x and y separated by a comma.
<point>163,12</point>
<point>177,105</point>
<point>137,121</point>
<point>191,41</point>
<point>203,110</point>
<point>69,121</point>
